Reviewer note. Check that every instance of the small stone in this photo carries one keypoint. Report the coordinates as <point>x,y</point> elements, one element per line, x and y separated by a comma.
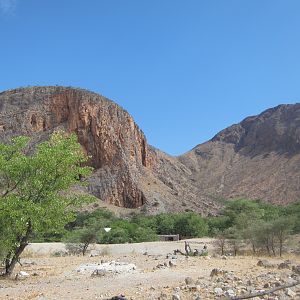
<point>284,265</point>
<point>189,280</point>
<point>172,264</point>
<point>98,273</point>
<point>216,272</point>
<point>230,293</point>
<point>192,288</point>
<point>22,275</point>
<point>265,263</point>
<point>277,284</point>
<point>218,291</point>
<point>296,269</point>
<point>290,293</point>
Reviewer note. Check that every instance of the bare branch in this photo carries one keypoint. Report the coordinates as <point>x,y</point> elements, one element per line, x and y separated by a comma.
<point>248,296</point>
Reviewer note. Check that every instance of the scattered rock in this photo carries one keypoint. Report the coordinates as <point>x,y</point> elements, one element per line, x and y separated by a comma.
<point>161,266</point>
<point>230,293</point>
<point>218,291</point>
<point>265,263</point>
<point>122,297</point>
<point>112,267</point>
<point>290,293</point>
<point>189,280</point>
<point>296,269</point>
<point>216,272</point>
<point>171,264</point>
<point>99,273</point>
<point>284,265</point>
<point>22,275</point>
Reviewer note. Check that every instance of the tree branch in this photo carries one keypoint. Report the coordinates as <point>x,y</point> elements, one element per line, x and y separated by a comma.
<point>248,296</point>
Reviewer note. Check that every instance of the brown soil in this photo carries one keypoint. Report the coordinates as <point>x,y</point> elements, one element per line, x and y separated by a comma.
<point>56,277</point>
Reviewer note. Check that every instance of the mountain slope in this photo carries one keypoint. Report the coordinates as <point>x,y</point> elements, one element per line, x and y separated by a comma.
<point>257,158</point>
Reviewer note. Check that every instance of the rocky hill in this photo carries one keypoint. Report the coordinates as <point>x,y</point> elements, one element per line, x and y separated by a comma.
<point>258,158</point>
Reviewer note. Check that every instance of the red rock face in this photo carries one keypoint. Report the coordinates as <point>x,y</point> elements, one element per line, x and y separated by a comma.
<point>258,158</point>
<point>107,133</point>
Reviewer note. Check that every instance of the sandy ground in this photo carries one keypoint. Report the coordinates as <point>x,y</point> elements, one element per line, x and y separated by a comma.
<point>54,277</point>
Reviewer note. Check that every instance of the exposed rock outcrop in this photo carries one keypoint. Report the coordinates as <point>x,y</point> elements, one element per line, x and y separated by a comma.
<point>257,158</point>
<point>117,147</point>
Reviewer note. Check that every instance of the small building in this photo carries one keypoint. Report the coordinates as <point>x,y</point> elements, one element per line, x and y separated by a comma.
<point>168,237</point>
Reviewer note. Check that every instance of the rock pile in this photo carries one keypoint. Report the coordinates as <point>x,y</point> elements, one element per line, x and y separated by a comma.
<point>106,268</point>
<point>225,284</point>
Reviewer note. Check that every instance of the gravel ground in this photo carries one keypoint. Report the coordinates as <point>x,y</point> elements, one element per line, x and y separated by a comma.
<point>157,275</point>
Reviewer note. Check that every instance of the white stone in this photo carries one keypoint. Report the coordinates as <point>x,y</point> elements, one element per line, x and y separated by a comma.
<point>112,267</point>
<point>218,291</point>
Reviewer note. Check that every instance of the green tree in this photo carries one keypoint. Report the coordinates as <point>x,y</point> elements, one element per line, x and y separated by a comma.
<point>220,241</point>
<point>190,225</point>
<point>81,238</point>
<point>165,224</point>
<point>293,211</point>
<point>243,212</point>
<point>282,227</point>
<point>219,223</point>
<point>234,239</point>
<point>34,188</point>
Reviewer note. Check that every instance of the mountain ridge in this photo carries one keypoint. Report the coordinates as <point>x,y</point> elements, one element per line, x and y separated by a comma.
<point>258,158</point>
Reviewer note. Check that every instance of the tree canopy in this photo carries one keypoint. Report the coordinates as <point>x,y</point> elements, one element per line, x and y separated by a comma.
<point>33,190</point>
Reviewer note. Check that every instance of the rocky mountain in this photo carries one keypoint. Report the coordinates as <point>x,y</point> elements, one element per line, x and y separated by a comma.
<point>257,158</point>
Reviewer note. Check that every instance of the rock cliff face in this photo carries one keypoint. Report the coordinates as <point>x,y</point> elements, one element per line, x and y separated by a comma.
<point>117,147</point>
<point>257,158</point>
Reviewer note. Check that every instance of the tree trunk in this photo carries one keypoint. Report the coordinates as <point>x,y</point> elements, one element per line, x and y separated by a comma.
<point>11,263</point>
<point>280,247</point>
<point>85,246</point>
<point>268,247</point>
<point>273,249</point>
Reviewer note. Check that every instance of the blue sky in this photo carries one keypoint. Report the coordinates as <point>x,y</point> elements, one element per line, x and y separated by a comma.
<point>183,69</point>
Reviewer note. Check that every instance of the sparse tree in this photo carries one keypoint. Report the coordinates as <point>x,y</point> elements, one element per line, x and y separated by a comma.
<point>282,227</point>
<point>33,190</point>
<point>81,239</point>
<point>220,241</point>
<point>234,239</point>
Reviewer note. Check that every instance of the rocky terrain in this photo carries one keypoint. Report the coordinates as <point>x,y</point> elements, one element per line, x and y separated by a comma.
<point>148,271</point>
<point>257,158</point>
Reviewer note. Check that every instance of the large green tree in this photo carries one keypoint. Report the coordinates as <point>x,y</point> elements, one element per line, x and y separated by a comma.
<point>34,196</point>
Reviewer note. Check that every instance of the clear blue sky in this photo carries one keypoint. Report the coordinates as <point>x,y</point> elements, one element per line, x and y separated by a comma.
<point>183,69</point>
